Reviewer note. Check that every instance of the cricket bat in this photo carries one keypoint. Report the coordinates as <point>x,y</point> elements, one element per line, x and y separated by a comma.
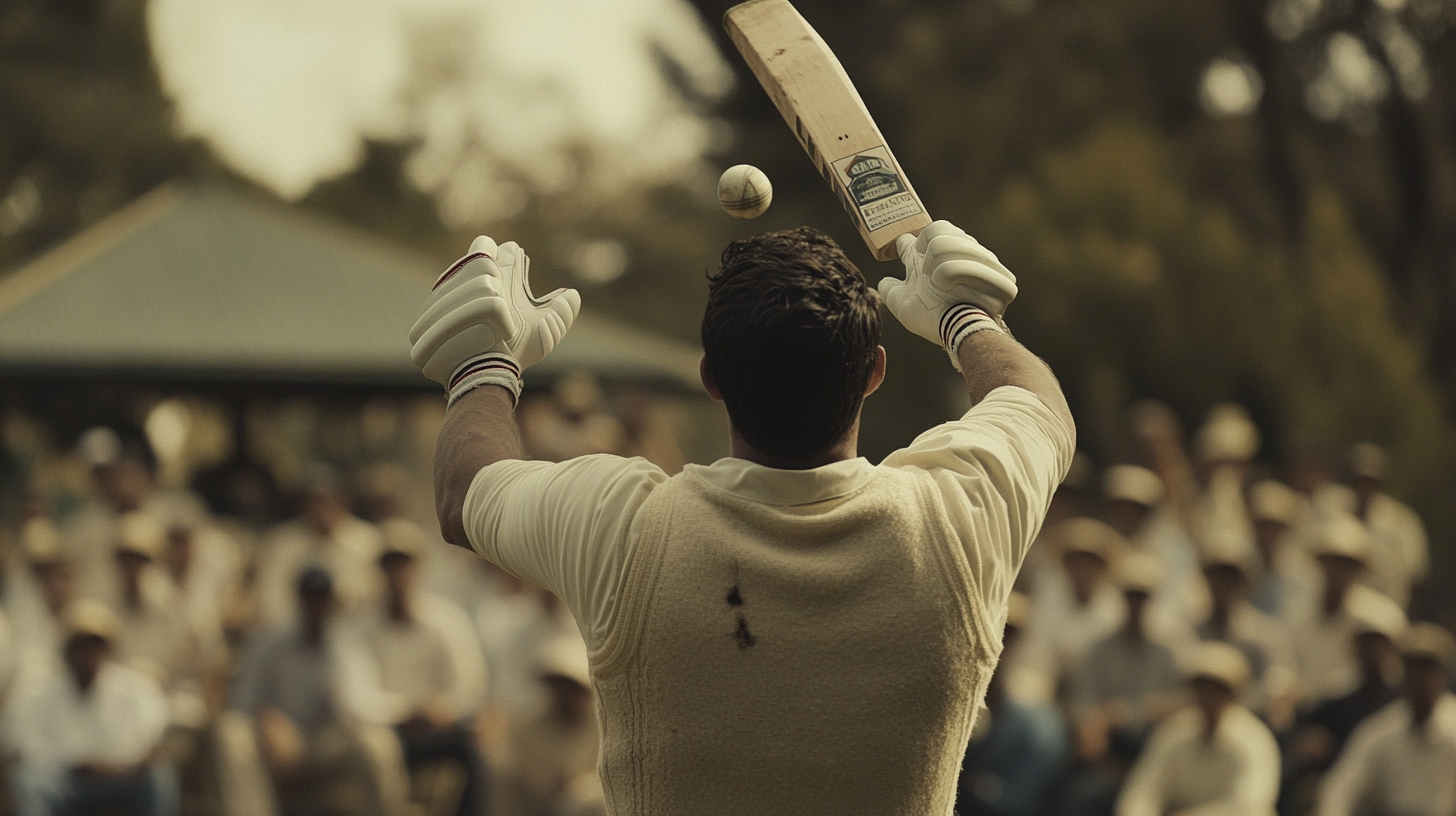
<point>825,112</point>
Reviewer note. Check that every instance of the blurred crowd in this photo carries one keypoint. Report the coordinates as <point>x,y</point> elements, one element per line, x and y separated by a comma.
<point>1191,634</point>
<point>163,654</point>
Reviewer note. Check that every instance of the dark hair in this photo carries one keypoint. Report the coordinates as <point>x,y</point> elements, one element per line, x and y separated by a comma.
<point>790,334</point>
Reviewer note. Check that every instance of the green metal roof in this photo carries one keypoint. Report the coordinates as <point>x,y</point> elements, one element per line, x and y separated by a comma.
<point>202,282</point>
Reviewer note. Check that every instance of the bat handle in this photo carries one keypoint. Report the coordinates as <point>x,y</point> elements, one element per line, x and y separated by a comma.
<point>884,248</point>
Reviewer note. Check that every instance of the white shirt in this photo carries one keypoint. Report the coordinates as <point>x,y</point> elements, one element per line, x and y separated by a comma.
<point>1389,767</point>
<point>566,526</point>
<point>1398,551</point>
<point>49,723</point>
<point>350,553</point>
<point>1324,648</point>
<point>1236,773</point>
<point>435,655</point>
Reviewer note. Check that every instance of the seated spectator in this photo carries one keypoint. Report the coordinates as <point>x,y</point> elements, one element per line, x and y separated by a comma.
<point>152,632</point>
<point>299,687</point>
<point>86,738</point>
<point>39,614</point>
<point>1400,760</point>
<point>204,566</point>
<point>325,535</point>
<point>1135,508</point>
<point>1076,605</point>
<point>1286,577</point>
<point>1320,735</point>
<point>1323,633</point>
<point>430,677</point>
<point>1399,556</point>
<point>551,765</point>
<point>1232,619</point>
<point>1215,757</point>
<point>1016,751</point>
<point>1129,681</point>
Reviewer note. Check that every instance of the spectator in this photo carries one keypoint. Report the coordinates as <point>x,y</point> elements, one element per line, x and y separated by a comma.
<point>1286,579</point>
<point>152,632</point>
<point>1232,619</point>
<point>430,674</point>
<point>1215,757</point>
<point>1128,682</point>
<point>1400,760</point>
<point>1135,508</point>
<point>1398,553</point>
<point>1077,606</point>
<point>325,535</point>
<point>39,615</point>
<point>87,737</point>
<point>1323,632</point>
<point>1319,736</point>
<point>1225,445</point>
<point>204,566</point>
<point>551,767</point>
<point>1016,751</point>
<point>299,687</point>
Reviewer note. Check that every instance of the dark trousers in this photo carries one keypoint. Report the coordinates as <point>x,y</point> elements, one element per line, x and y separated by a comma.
<point>456,744</point>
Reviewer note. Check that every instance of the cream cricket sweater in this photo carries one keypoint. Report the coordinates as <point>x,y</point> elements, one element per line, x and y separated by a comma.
<point>786,642</point>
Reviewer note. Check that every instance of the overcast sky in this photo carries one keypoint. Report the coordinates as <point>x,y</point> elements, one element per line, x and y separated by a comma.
<point>497,91</point>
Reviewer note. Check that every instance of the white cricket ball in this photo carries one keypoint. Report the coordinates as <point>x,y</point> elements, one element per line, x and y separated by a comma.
<point>744,191</point>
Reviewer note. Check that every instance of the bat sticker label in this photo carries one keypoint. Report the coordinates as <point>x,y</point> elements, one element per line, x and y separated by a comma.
<point>874,184</point>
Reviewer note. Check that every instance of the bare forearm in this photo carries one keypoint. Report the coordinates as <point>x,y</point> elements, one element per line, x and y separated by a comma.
<point>991,359</point>
<point>479,430</point>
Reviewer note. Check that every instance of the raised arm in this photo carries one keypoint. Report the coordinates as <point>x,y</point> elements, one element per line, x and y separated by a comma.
<point>480,329</point>
<point>954,294</point>
<point>480,429</point>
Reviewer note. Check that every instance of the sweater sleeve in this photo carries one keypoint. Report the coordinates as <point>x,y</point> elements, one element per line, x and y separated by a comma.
<point>562,526</point>
<point>996,469</point>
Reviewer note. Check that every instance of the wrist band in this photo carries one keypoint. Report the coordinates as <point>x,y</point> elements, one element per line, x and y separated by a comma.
<point>961,321</point>
<point>491,368</point>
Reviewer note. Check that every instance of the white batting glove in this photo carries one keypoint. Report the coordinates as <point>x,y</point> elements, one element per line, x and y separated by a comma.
<point>482,325</point>
<point>953,287</point>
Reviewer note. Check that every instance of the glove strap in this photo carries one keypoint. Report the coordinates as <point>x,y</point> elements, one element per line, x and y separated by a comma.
<point>961,321</point>
<point>491,368</point>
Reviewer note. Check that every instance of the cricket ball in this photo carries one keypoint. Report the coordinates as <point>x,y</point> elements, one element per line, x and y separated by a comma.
<point>744,191</point>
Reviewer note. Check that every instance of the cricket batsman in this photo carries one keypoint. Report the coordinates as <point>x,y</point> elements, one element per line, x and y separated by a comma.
<point>792,629</point>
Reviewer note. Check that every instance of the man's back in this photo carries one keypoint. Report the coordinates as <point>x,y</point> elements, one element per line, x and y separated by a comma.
<point>767,640</point>
<point>764,646</point>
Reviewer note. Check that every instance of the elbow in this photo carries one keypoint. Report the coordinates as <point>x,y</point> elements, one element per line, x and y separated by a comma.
<point>450,511</point>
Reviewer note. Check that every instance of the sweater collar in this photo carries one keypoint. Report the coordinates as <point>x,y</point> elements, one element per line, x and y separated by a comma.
<point>784,488</point>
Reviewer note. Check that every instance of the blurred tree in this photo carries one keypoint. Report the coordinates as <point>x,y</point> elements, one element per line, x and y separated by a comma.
<point>83,124</point>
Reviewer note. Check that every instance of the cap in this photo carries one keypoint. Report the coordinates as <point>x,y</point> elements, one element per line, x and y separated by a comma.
<point>1133,483</point>
<point>1369,461</point>
<point>99,447</point>
<point>1218,661</point>
<point>1018,610</point>
<point>402,537</point>
<point>1341,535</point>
<point>139,533</point>
<point>1227,435</point>
<point>1429,641</point>
<point>1088,535</point>
<point>1380,619</point>
<point>564,657</point>
<point>1227,545</point>
<point>1273,501</point>
<point>1139,572</point>
<point>88,617</point>
<point>40,541</point>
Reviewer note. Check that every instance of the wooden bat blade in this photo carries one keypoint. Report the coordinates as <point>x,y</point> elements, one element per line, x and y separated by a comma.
<point>821,106</point>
